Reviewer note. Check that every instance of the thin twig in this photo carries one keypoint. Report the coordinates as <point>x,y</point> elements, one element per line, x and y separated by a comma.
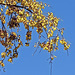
<point>51,69</point>
<point>35,51</point>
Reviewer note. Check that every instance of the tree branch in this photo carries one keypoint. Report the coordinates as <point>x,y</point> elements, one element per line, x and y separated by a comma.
<point>17,6</point>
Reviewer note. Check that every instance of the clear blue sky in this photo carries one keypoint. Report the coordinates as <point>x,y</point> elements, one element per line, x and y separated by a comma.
<point>26,64</point>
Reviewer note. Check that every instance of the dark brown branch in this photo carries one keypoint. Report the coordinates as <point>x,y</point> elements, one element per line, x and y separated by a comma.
<point>17,6</point>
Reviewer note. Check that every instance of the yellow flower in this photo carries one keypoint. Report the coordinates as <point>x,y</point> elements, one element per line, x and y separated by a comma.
<point>26,44</point>
<point>48,35</point>
<point>14,34</point>
<point>2,64</point>
<point>3,22</point>
<point>0,61</point>
<point>52,32</point>
<point>15,55</point>
<point>3,54</point>
<point>57,38</point>
<point>54,28</point>
<point>46,48</point>
<point>50,24</point>
<point>65,48</point>
<point>1,10</point>
<point>10,59</point>
<point>63,41</point>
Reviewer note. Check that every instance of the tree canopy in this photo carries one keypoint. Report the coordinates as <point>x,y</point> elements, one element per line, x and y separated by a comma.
<point>30,14</point>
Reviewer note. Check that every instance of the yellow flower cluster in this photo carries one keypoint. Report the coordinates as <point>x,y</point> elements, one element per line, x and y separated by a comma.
<point>66,45</point>
<point>9,52</point>
<point>3,54</point>
<point>10,59</point>
<point>15,55</point>
<point>48,46</point>
<point>2,18</point>
<point>28,37</point>
<point>13,36</point>
<point>13,23</point>
<point>9,11</point>
<point>7,42</point>
<point>30,14</point>
<point>50,33</point>
<point>1,63</point>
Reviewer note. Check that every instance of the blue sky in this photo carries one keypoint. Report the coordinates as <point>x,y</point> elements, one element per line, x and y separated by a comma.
<point>26,64</point>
